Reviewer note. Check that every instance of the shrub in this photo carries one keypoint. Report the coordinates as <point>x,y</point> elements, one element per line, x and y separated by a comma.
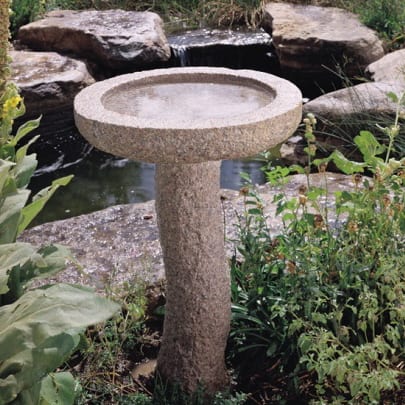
<point>326,295</point>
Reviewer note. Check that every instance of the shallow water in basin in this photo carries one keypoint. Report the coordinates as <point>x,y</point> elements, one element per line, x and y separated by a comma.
<point>174,102</point>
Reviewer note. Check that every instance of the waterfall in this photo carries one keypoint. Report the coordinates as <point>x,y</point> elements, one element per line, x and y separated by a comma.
<point>180,53</point>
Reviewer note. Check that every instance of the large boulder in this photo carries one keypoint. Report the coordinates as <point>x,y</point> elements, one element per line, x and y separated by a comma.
<point>48,81</point>
<point>116,39</point>
<point>342,114</point>
<point>309,38</point>
<point>389,69</point>
<point>368,99</point>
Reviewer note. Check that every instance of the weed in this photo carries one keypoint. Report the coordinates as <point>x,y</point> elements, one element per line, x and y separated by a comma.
<point>110,350</point>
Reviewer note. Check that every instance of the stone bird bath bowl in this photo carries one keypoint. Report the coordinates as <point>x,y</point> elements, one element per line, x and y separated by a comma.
<point>186,120</point>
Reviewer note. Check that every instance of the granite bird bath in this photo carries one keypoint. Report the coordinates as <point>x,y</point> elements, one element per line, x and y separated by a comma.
<point>187,120</point>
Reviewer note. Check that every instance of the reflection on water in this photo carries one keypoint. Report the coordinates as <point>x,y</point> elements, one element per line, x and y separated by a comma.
<point>102,180</point>
<point>198,101</point>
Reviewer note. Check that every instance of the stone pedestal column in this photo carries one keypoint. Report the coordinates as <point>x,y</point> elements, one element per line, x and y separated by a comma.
<point>192,236</point>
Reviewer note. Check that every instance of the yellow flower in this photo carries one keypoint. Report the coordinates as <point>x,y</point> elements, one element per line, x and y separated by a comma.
<point>10,104</point>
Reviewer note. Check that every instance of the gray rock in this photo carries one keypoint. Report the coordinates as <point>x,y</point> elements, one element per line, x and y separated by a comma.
<point>308,37</point>
<point>47,80</point>
<point>366,99</point>
<point>389,69</point>
<point>116,39</point>
<point>121,243</point>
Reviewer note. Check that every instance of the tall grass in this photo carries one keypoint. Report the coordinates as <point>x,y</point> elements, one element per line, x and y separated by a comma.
<point>182,13</point>
<point>385,16</point>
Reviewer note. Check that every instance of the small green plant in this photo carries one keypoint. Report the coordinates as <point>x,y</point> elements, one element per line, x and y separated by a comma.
<point>324,299</point>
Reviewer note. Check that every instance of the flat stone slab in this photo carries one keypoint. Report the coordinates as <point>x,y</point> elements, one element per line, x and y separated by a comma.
<point>121,243</point>
<point>48,80</point>
<point>366,99</point>
<point>307,37</point>
<point>236,49</point>
<point>214,37</point>
<point>389,69</point>
<point>117,39</point>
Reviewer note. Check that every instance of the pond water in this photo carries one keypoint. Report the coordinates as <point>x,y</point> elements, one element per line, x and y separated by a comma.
<point>102,180</point>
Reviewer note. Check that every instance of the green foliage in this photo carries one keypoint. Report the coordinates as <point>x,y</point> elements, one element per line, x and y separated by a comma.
<point>23,12</point>
<point>26,11</point>
<point>385,16</point>
<point>21,262</point>
<point>39,332</point>
<point>180,399</point>
<point>39,329</point>
<point>16,170</point>
<point>326,295</point>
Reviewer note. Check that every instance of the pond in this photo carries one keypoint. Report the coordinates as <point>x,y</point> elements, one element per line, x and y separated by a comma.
<point>102,180</point>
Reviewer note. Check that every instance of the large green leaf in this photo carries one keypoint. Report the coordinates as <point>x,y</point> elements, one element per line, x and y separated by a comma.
<point>54,389</point>
<point>369,146</point>
<point>22,152</point>
<point>39,200</point>
<point>10,214</point>
<point>24,170</point>
<point>51,260</point>
<point>25,129</point>
<point>58,388</point>
<point>31,262</point>
<point>345,165</point>
<point>12,255</point>
<point>31,365</point>
<point>5,167</point>
<point>40,330</point>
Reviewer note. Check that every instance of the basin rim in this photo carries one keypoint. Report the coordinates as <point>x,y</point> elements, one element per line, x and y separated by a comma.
<point>89,102</point>
<point>232,137</point>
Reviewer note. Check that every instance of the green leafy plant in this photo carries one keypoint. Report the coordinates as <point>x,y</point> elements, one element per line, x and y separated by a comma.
<point>23,12</point>
<point>38,333</point>
<point>324,298</point>
<point>21,262</point>
<point>39,329</point>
